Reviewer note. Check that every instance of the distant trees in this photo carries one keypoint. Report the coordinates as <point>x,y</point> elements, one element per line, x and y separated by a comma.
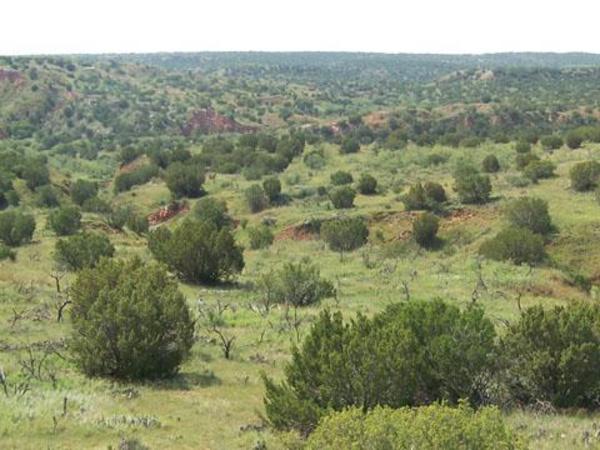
<point>585,175</point>
<point>538,170</point>
<point>350,145</point>
<point>574,139</point>
<point>47,197</point>
<point>342,197</point>
<point>551,142</point>
<point>345,234</point>
<point>36,174</point>
<point>198,252</point>
<point>65,220</point>
<point>82,251</point>
<point>16,227</point>
<point>522,146</point>
<point>129,321</point>
<point>185,180</point>
<point>272,188</point>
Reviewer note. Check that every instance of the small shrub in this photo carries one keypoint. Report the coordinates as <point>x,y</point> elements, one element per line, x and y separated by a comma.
<point>436,159</point>
<point>47,197</point>
<point>272,188</point>
<point>125,181</point>
<point>551,142</point>
<point>431,427</point>
<point>538,170</point>
<point>260,237</point>
<point>522,160</point>
<point>96,205</point>
<point>553,355</point>
<point>116,331</point>
<point>296,284</point>
<point>83,190</point>
<point>585,175</point>
<point>342,197</point>
<point>65,221</point>
<point>137,223</point>
<point>434,194</point>
<point>530,213</point>
<point>185,180</point>
<point>427,197</point>
<point>349,145</point>
<point>517,245</point>
<point>425,228</point>
<point>345,234</point>
<point>209,209</point>
<point>198,252</point>
<point>574,140</point>
<point>367,184</point>
<point>256,198</point>
<point>82,251</point>
<point>340,178</point>
<point>472,187</point>
<point>522,147</point>
<point>491,164</point>
<point>35,175</point>
<point>16,228</point>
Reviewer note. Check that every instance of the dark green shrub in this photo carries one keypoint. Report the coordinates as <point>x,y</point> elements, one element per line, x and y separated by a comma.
<point>117,218</point>
<point>471,186</point>
<point>491,164</point>
<point>522,160</point>
<point>211,210</point>
<point>551,142</point>
<point>16,228</point>
<point>7,253</point>
<point>428,197</point>
<point>35,175</point>
<point>340,178</point>
<point>47,197</point>
<point>574,140</point>
<point>198,251</point>
<point>538,170</point>
<point>296,284</point>
<point>256,198</point>
<point>129,321</point>
<point>434,195</point>
<point>272,188</point>
<point>82,250</point>
<point>65,220</point>
<point>137,223</point>
<point>367,184</point>
<point>425,228</point>
<point>585,175</point>
<point>410,354</point>
<point>185,180</point>
<point>530,213</point>
<point>125,181</point>
<point>342,197</point>
<point>435,159</point>
<point>345,234</point>
<point>553,355</point>
<point>349,145</point>
<point>517,245</point>
<point>523,147</point>
<point>260,237</point>
<point>433,427</point>
<point>83,190</point>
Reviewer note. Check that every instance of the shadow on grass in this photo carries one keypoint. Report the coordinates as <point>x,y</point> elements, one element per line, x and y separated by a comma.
<point>187,380</point>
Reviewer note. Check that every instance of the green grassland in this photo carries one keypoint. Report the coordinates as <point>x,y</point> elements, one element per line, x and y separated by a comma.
<point>216,403</point>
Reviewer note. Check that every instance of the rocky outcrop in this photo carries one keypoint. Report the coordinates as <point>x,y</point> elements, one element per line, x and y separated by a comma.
<point>209,121</point>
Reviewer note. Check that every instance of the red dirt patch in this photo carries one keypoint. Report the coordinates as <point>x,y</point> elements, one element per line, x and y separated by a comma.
<point>12,76</point>
<point>167,212</point>
<point>209,121</point>
<point>133,165</point>
<point>300,232</point>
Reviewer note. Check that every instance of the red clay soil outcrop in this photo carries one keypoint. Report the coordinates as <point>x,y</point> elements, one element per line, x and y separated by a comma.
<point>209,121</point>
<point>166,212</point>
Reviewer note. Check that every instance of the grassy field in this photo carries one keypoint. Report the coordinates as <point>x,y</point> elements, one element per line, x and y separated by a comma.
<point>216,403</point>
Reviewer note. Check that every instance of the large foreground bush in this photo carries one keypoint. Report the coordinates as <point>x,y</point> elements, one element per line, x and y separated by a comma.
<point>531,213</point>
<point>434,427</point>
<point>198,251</point>
<point>129,321</point>
<point>410,354</point>
<point>554,355</point>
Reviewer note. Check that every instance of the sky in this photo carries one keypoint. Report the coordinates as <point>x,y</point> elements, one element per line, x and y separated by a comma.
<point>392,26</point>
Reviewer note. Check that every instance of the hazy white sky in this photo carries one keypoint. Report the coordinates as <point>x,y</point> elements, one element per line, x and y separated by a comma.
<point>427,26</point>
